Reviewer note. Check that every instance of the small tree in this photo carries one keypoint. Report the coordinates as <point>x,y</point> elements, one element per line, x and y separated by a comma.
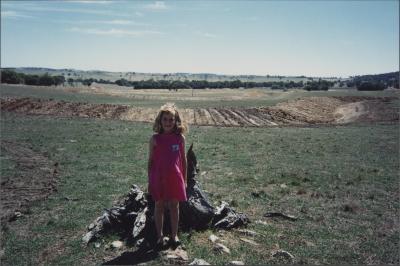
<point>46,80</point>
<point>123,82</point>
<point>31,79</point>
<point>71,81</point>
<point>11,77</point>
<point>58,80</point>
<point>371,86</point>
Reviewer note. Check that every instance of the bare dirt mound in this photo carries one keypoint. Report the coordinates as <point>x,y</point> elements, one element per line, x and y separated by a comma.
<point>303,111</point>
<point>62,108</point>
<point>358,109</point>
<point>35,180</point>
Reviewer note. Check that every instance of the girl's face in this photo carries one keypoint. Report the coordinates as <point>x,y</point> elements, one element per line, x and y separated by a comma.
<point>168,122</point>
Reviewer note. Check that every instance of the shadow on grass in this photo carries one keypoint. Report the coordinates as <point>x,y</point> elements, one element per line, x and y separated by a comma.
<point>132,258</point>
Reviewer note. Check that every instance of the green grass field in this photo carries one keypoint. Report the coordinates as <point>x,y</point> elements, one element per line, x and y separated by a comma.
<point>341,182</point>
<point>332,167</point>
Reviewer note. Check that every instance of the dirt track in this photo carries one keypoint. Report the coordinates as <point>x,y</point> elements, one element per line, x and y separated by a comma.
<point>304,111</point>
<point>36,179</point>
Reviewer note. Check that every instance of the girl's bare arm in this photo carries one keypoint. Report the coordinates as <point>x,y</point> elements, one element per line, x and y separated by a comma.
<point>184,161</point>
<point>150,160</point>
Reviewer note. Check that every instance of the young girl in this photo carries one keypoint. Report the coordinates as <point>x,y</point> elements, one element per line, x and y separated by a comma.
<point>167,169</point>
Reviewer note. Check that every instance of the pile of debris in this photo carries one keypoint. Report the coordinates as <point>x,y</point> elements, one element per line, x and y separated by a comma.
<point>133,218</point>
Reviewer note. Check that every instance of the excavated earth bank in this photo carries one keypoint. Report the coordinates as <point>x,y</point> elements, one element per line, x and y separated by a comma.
<point>303,111</point>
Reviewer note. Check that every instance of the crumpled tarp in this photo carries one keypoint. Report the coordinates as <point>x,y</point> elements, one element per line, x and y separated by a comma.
<point>133,216</point>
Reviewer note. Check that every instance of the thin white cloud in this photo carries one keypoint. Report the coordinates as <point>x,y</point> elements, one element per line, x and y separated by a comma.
<point>209,35</point>
<point>173,25</point>
<point>121,22</point>
<point>157,6</point>
<point>118,22</point>
<point>139,14</point>
<point>92,2</point>
<point>114,22</point>
<point>115,32</point>
<point>206,34</point>
<point>14,14</point>
<point>71,10</point>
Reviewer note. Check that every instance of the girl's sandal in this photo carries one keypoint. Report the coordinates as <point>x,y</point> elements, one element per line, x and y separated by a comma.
<point>175,243</point>
<point>159,244</point>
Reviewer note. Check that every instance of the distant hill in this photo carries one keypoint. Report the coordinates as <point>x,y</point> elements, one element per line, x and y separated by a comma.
<point>136,76</point>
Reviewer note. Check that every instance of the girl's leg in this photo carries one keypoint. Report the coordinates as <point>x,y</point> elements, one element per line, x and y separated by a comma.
<point>159,218</point>
<point>174,217</point>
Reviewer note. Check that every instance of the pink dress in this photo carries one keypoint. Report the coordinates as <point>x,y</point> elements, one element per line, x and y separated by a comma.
<point>166,181</point>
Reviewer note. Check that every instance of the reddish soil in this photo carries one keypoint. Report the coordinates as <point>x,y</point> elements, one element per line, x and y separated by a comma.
<point>35,180</point>
<point>303,111</point>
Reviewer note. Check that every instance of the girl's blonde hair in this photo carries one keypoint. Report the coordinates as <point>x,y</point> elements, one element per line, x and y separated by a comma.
<point>170,108</point>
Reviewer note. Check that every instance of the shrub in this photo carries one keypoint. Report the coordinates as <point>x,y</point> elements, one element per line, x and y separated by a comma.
<point>46,80</point>
<point>371,86</point>
<point>11,77</point>
<point>32,80</point>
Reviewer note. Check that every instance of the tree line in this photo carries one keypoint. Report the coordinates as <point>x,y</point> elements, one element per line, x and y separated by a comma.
<point>12,77</point>
<point>366,82</point>
<point>203,84</point>
<point>380,81</point>
<point>375,82</point>
<point>89,81</point>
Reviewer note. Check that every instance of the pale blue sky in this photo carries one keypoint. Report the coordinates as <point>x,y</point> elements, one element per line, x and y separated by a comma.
<point>312,38</point>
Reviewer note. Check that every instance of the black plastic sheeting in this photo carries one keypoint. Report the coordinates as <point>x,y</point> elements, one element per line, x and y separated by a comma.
<point>133,216</point>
